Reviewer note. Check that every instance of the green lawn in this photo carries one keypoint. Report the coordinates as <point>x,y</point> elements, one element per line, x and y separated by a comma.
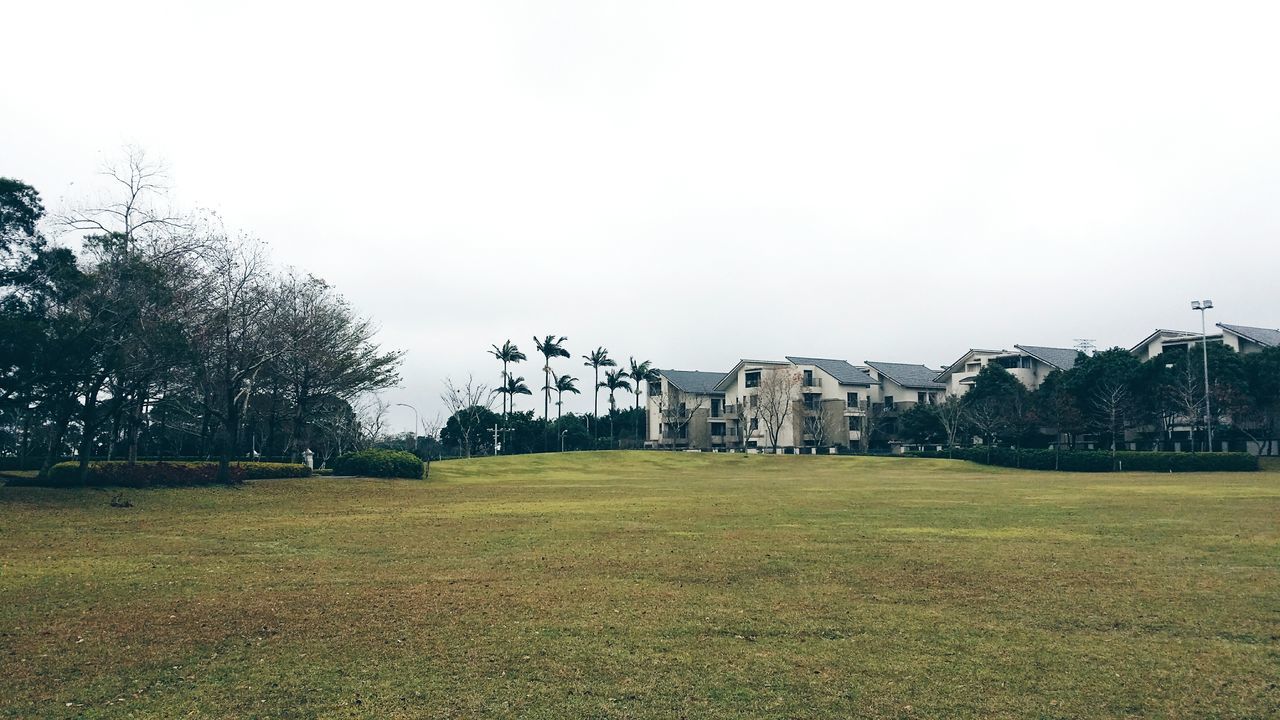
<point>628,585</point>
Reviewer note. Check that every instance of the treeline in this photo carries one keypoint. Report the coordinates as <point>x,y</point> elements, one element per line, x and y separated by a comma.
<point>476,427</point>
<point>162,335</point>
<point>1115,401</point>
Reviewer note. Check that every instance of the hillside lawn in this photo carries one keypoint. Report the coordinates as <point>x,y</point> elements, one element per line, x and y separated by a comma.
<point>649,585</point>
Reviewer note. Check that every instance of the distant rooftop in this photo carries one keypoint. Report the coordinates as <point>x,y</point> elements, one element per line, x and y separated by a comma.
<point>1263,336</point>
<point>693,381</point>
<point>1061,358</point>
<point>841,370</point>
<point>909,375</point>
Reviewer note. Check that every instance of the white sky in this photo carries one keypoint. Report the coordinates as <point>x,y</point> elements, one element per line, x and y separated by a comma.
<point>694,182</point>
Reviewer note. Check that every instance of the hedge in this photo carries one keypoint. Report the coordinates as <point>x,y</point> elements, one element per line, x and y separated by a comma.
<point>1103,461</point>
<point>380,463</point>
<point>118,473</point>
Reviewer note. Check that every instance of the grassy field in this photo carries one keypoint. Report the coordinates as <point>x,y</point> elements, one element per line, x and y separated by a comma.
<point>630,585</point>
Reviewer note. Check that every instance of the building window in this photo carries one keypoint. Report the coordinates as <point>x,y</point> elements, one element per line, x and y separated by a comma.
<point>851,399</point>
<point>855,423</point>
<point>753,379</point>
<point>922,398</point>
<point>755,424</point>
<point>755,400</point>
<point>888,402</point>
<point>715,407</point>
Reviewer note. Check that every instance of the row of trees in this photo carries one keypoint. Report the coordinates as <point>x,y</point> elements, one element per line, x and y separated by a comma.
<point>631,379</point>
<point>162,334</point>
<point>1111,396</point>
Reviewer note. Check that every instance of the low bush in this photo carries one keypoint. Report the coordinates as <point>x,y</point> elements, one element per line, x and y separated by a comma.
<point>380,463</point>
<point>118,473</point>
<point>1103,461</point>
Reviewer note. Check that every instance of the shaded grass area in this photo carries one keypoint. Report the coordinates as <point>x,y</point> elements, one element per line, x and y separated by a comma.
<point>649,585</point>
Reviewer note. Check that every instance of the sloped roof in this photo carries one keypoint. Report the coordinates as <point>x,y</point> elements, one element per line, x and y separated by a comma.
<point>694,381</point>
<point>841,370</point>
<point>1262,336</point>
<point>1161,332</point>
<point>908,375</point>
<point>950,369</point>
<point>1061,358</point>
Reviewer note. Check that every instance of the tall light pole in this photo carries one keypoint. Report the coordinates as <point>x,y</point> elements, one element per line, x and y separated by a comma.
<point>414,436</point>
<point>1203,305</point>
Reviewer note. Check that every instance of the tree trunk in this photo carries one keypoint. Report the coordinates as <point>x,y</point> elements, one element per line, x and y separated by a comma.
<point>54,446</point>
<point>227,437</point>
<point>135,426</point>
<point>86,434</point>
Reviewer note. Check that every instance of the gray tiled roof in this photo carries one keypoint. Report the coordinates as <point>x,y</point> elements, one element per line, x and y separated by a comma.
<point>841,370</point>
<point>693,381</point>
<point>908,375</point>
<point>1062,358</point>
<point>1262,336</point>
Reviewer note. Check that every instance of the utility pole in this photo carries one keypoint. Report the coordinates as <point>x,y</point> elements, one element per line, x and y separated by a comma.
<point>1202,306</point>
<point>496,432</point>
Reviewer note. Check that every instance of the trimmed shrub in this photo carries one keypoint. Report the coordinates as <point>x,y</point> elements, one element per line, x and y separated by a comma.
<point>1102,461</point>
<point>268,470</point>
<point>380,463</point>
<point>118,473</point>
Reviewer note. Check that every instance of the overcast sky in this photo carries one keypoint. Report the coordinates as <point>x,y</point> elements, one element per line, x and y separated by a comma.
<point>694,182</point>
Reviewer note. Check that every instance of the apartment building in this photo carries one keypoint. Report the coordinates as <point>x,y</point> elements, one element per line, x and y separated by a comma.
<point>686,410</point>
<point>826,404</point>
<point>1030,364</point>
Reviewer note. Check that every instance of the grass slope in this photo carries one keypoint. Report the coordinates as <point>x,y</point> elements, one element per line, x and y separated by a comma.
<point>656,585</point>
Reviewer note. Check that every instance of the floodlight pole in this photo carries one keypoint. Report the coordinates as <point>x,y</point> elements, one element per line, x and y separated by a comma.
<point>1202,306</point>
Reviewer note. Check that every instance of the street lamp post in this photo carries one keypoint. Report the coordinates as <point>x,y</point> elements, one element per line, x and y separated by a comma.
<point>414,435</point>
<point>1202,306</point>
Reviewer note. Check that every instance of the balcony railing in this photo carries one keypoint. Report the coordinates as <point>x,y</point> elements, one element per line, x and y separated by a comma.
<point>811,382</point>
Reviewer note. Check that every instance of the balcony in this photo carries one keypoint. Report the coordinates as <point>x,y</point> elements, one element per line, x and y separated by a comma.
<point>811,382</point>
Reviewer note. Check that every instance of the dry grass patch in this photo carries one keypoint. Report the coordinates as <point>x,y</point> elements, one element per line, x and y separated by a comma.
<point>649,585</point>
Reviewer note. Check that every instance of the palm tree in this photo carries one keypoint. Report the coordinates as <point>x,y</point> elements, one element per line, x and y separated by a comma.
<point>642,372</point>
<point>515,386</point>
<point>614,380</point>
<point>508,353</point>
<point>597,359</point>
<point>550,347</point>
<point>563,384</point>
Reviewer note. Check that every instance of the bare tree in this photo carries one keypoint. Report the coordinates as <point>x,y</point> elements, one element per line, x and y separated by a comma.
<point>129,212</point>
<point>328,352</point>
<point>818,418</point>
<point>1110,405</point>
<point>953,414</point>
<point>746,409</point>
<point>674,411</point>
<point>372,413</point>
<point>233,333</point>
<point>989,419</point>
<point>468,404</point>
<point>1186,397</point>
<point>871,415</point>
<point>776,394</point>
